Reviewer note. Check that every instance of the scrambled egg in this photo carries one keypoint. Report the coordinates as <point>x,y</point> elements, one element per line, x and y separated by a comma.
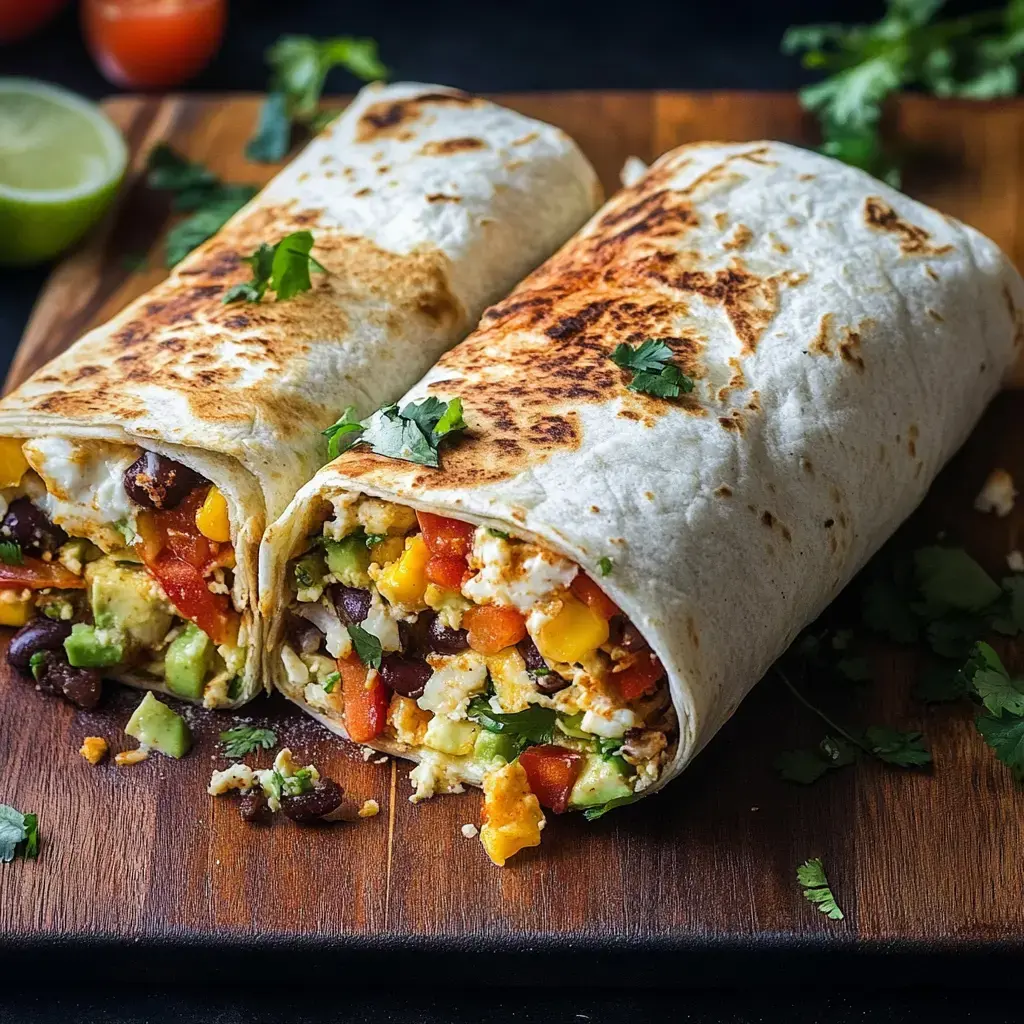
<point>237,776</point>
<point>997,495</point>
<point>434,774</point>
<point>456,678</point>
<point>385,518</point>
<point>408,720</point>
<point>512,816</point>
<point>512,683</point>
<point>94,749</point>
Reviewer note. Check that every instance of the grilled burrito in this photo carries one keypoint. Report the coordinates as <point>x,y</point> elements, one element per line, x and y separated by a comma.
<point>683,436</point>
<point>139,469</point>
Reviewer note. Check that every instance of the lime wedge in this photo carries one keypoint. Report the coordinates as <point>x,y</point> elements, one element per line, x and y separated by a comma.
<point>61,161</point>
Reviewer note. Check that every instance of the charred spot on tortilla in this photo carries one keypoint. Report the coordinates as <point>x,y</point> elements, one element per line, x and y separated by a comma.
<point>820,345</point>
<point>446,147</point>
<point>849,348</point>
<point>392,119</point>
<point>913,239</point>
<point>440,197</point>
<point>723,491</point>
<point>740,238</point>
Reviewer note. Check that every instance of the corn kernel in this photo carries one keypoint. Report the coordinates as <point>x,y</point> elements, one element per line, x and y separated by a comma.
<point>512,815</point>
<point>15,610</point>
<point>212,517</point>
<point>12,462</point>
<point>404,582</point>
<point>573,633</point>
<point>386,551</point>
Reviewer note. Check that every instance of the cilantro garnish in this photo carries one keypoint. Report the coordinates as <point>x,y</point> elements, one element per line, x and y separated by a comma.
<point>367,646</point>
<point>534,725</point>
<point>974,56</point>
<point>299,68</point>
<point>10,552</point>
<point>499,533</point>
<point>1002,727</point>
<point>413,434</point>
<point>605,566</point>
<point>950,580</point>
<point>811,876</point>
<point>17,830</point>
<point>1006,738</point>
<point>330,682</point>
<point>282,268</point>
<point>653,374</point>
<point>375,538</point>
<point>593,813</point>
<point>903,749</point>
<point>807,766</point>
<point>245,739</point>
<point>297,784</point>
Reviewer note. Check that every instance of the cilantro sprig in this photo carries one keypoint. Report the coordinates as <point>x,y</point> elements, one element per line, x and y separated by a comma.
<point>412,434</point>
<point>976,56</point>
<point>282,268</point>
<point>653,373</point>
<point>246,739</point>
<point>299,68</point>
<point>11,553</point>
<point>367,646</point>
<point>533,725</point>
<point>19,833</point>
<point>811,876</point>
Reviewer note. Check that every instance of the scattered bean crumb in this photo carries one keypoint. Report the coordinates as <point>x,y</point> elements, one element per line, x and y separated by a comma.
<point>369,809</point>
<point>125,757</point>
<point>1015,560</point>
<point>470,831</point>
<point>94,749</point>
<point>997,495</point>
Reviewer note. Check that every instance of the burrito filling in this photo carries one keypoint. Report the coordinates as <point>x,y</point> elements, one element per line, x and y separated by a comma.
<point>116,563</point>
<point>489,658</point>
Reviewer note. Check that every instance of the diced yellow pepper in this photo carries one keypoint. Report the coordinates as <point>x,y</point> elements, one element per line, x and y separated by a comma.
<point>12,462</point>
<point>388,550</point>
<point>403,582</point>
<point>512,815</point>
<point>14,610</point>
<point>212,518</point>
<point>573,633</point>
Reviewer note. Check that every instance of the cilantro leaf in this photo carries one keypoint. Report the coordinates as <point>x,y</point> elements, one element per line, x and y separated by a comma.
<point>811,876</point>
<point>653,374</point>
<point>412,434</point>
<point>950,580</point>
<point>605,566</point>
<point>1005,735</point>
<point>330,682</point>
<point>903,749</point>
<point>282,268</point>
<point>10,552</point>
<point>953,636</point>
<point>374,538</point>
<point>245,739</point>
<point>168,171</point>
<point>940,683</point>
<point>12,832</point>
<point>367,646</point>
<point>534,725</point>
<point>31,849</point>
<point>992,683</point>
<point>190,233</point>
<point>807,766</point>
<point>499,533</point>
<point>451,419</point>
<point>273,131</point>
<point>593,813</point>
<point>343,433</point>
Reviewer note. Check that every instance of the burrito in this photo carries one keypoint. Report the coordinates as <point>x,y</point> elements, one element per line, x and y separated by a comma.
<point>139,469</point>
<point>682,437</point>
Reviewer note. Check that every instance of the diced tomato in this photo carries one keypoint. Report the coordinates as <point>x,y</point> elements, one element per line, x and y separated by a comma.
<point>448,538</point>
<point>491,628</point>
<point>366,703</point>
<point>36,574</point>
<point>591,594</point>
<point>552,771</point>
<point>640,678</point>
<point>446,572</point>
<point>186,589</point>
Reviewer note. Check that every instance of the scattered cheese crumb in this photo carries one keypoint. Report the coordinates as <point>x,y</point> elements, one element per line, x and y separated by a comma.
<point>367,752</point>
<point>1015,560</point>
<point>94,749</point>
<point>237,776</point>
<point>125,757</point>
<point>369,809</point>
<point>997,495</point>
<point>470,831</point>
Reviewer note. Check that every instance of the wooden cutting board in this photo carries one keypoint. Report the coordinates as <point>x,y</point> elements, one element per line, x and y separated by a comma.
<point>139,867</point>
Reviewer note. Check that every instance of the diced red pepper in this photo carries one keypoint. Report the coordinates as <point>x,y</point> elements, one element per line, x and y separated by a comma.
<point>491,628</point>
<point>446,572</point>
<point>640,678</point>
<point>186,589</point>
<point>36,574</point>
<point>552,771</point>
<point>366,704</point>
<point>448,538</point>
<point>591,594</point>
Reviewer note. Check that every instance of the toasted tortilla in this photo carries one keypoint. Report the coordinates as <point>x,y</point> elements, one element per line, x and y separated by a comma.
<point>843,341</point>
<point>425,204</point>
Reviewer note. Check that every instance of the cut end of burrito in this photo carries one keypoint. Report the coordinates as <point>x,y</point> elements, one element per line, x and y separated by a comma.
<point>118,562</point>
<point>484,656</point>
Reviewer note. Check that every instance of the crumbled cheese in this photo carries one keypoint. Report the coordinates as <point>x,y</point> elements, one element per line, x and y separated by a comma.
<point>611,726</point>
<point>380,622</point>
<point>367,752</point>
<point>237,776</point>
<point>1015,560</point>
<point>434,774</point>
<point>318,698</point>
<point>369,809</point>
<point>470,831</point>
<point>286,765</point>
<point>385,518</point>
<point>217,584</point>
<point>215,691</point>
<point>126,757</point>
<point>997,495</point>
<point>456,677</point>
<point>94,749</point>
<point>521,575</point>
<point>449,605</point>
<point>294,668</point>
<point>345,519</point>
<point>234,658</point>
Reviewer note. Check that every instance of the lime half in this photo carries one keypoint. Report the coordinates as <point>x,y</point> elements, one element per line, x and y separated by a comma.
<point>61,161</point>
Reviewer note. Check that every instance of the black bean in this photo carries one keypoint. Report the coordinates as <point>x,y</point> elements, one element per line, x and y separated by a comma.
<point>352,604</point>
<point>81,686</point>
<point>303,636</point>
<point>413,636</point>
<point>41,634</point>
<point>528,649</point>
<point>154,481</point>
<point>550,682</point>
<point>253,807</point>
<point>31,528</point>
<point>307,808</point>
<point>445,640</point>
<point>632,639</point>
<point>407,676</point>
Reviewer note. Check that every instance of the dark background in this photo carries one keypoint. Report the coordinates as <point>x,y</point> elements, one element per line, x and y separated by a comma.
<point>488,47</point>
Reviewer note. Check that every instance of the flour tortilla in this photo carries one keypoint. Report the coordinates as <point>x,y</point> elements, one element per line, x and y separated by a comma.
<point>844,340</point>
<point>425,204</point>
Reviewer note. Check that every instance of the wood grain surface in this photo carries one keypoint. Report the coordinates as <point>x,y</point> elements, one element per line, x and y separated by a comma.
<point>926,857</point>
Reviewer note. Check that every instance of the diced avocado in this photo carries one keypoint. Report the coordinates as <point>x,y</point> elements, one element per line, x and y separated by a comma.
<point>92,647</point>
<point>188,662</point>
<point>599,782</point>
<point>157,727</point>
<point>348,559</point>
<point>127,599</point>
<point>571,726</point>
<point>450,737</point>
<point>490,746</point>
<point>308,571</point>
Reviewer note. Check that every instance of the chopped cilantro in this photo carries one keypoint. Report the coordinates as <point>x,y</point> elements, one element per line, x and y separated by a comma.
<point>811,876</point>
<point>807,766</point>
<point>245,739</point>
<point>951,581</point>
<point>1005,735</point>
<point>337,432</point>
<point>499,533</point>
<point>903,749</point>
<point>367,646</point>
<point>282,268</point>
<point>297,784</point>
<point>31,848</point>
<point>605,566</point>
<point>534,725</point>
<point>593,813</point>
<point>992,683</point>
<point>10,552</point>
<point>17,830</point>
<point>331,682</point>
<point>375,538</point>
<point>653,374</point>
